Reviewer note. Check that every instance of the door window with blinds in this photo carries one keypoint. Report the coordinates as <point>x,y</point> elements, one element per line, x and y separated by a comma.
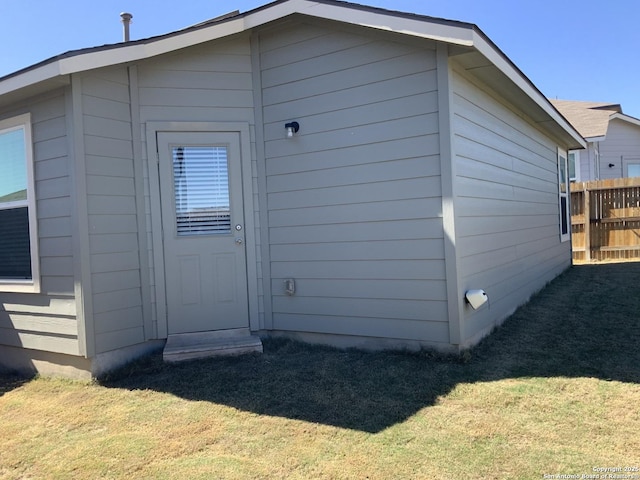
<point>201,190</point>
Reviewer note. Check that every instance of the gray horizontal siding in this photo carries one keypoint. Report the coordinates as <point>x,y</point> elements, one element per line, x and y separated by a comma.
<point>421,290</point>
<point>507,203</point>
<point>623,140</point>
<point>212,82</point>
<point>587,167</point>
<point>111,207</point>
<point>395,328</point>
<point>354,205</point>
<point>47,321</point>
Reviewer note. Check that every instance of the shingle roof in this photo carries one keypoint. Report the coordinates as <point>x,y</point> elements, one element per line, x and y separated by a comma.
<point>591,119</point>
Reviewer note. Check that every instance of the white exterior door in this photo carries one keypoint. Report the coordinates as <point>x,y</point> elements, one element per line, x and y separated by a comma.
<point>203,231</point>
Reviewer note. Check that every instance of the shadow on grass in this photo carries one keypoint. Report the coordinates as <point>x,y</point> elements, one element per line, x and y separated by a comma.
<point>10,381</point>
<point>584,324</point>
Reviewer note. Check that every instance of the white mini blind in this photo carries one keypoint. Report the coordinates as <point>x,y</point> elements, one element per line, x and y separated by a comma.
<point>201,186</point>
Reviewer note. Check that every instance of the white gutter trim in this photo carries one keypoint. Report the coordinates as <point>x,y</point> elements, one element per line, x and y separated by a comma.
<point>456,35</point>
<point>625,118</point>
<point>113,56</point>
<point>31,77</point>
<point>141,51</point>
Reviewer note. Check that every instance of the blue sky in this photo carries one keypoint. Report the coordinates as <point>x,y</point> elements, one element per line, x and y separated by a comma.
<point>571,49</point>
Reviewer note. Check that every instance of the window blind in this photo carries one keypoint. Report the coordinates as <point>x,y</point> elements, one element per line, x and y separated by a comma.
<point>201,187</point>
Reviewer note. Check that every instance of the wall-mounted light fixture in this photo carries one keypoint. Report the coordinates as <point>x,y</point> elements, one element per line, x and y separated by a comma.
<point>611,165</point>
<point>292,128</point>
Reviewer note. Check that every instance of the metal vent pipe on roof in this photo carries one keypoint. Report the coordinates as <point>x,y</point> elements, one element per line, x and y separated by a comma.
<point>126,21</point>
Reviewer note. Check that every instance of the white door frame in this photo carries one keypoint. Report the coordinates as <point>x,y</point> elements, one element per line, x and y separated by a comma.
<point>152,130</point>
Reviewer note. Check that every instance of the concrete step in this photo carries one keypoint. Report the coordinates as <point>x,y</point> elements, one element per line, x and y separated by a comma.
<point>188,346</point>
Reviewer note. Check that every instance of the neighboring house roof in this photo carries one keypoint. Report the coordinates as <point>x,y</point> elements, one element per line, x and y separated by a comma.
<point>626,118</point>
<point>592,119</point>
<point>474,50</point>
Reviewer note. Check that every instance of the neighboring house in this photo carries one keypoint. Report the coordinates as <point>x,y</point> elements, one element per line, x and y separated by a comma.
<point>613,140</point>
<point>169,195</point>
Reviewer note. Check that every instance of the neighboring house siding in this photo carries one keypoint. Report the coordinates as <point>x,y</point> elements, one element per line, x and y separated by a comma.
<point>207,83</point>
<point>506,207</point>
<point>47,321</point>
<point>111,208</point>
<point>354,201</point>
<point>622,141</point>
<point>588,162</point>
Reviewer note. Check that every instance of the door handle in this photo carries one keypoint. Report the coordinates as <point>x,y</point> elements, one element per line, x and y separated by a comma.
<point>239,241</point>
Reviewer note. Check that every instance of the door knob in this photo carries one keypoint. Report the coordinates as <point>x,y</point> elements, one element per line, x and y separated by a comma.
<point>239,241</point>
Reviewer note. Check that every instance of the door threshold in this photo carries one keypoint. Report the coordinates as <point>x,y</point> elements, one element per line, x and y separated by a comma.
<point>189,346</point>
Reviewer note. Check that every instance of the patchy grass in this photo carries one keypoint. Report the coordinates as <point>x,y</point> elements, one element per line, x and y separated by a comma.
<point>555,390</point>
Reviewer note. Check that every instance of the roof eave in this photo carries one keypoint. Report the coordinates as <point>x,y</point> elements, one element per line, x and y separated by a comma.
<point>625,118</point>
<point>92,58</point>
<point>488,49</point>
<point>448,31</point>
<point>455,33</point>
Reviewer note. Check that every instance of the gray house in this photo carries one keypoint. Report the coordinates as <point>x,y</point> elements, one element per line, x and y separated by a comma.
<point>324,170</point>
<point>613,140</point>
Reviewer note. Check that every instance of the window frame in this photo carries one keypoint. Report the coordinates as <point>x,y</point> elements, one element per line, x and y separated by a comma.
<point>626,162</point>
<point>30,285</point>
<point>576,165</point>
<point>563,158</point>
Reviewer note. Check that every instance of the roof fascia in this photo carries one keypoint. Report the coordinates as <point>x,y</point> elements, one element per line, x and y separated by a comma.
<point>451,32</point>
<point>112,55</point>
<point>447,31</point>
<point>487,48</point>
<point>30,77</point>
<point>625,118</point>
<point>141,51</point>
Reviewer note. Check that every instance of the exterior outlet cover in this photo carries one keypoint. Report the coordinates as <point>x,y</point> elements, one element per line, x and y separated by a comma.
<point>290,286</point>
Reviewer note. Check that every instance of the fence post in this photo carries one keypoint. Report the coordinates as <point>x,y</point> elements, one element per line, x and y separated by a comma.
<point>586,208</point>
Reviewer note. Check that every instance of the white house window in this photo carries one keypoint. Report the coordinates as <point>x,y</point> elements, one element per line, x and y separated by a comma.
<point>563,194</point>
<point>18,229</point>
<point>631,166</point>
<point>574,166</point>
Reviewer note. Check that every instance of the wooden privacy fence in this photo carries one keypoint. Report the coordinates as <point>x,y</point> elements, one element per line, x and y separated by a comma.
<point>605,219</point>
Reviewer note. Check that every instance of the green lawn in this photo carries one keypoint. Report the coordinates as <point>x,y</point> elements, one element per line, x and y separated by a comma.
<point>555,390</point>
